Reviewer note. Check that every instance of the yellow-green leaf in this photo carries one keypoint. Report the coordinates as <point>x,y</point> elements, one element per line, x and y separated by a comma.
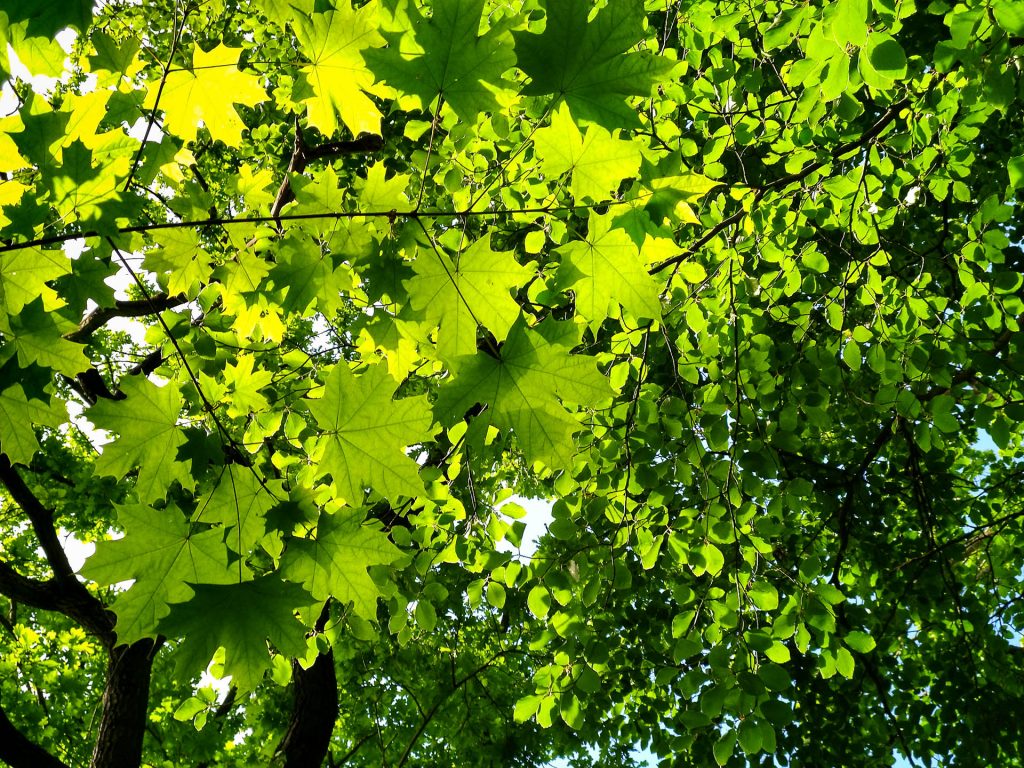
<point>205,94</point>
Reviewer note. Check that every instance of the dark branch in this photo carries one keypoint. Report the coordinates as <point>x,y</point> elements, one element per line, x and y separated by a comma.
<point>302,155</point>
<point>137,308</point>
<point>40,517</point>
<point>325,216</point>
<point>37,594</point>
<point>18,751</point>
<point>68,594</point>
<point>125,705</point>
<point>367,142</point>
<point>854,482</point>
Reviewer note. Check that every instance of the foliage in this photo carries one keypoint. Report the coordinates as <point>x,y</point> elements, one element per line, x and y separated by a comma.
<point>736,287</point>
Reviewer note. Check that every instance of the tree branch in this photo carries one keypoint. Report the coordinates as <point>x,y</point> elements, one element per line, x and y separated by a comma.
<point>18,751</point>
<point>302,154</point>
<point>125,704</point>
<point>40,517</point>
<point>37,594</point>
<point>136,308</point>
<point>68,594</point>
<point>225,221</point>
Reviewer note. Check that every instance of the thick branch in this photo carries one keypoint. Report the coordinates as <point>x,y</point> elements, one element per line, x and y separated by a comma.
<point>846,508</point>
<point>68,594</point>
<point>367,142</point>
<point>302,154</point>
<point>136,308</point>
<point>18,751</point>
<point>40,517</point>
<point>37,594</point>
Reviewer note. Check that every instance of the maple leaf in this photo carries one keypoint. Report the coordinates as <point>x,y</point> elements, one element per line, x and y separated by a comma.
<point>35,335</point>
<point>240,502</point>
<point>85,281</point>
<point>670,196</point>
<point>86,113</point>
<point>84,183</point>
<point>525,386</point>
<point>148,437</point>
<point>42,135</point>
<point>585,61</point>
<point>24,274</point>
<point>366,431</point>
<point>605,269</point>
<point>241,276</point>
<point>598,162</point>
<point>113,60</point>
<point>320,194</point>
<point>377,193</point>
<point>179,261</point>
<point>10,158</point>
<point>239,618</point>
<point>474,289</point>
<point>17,415</point>
<point>205,93</point>
<point>309,276</point>
<point>334,562</point>
<point>444,56</point>
<point>395,338</point>
<point>31,28</point>
<point>253,186</point>
<point>164,555</point>
<point>244,383</point>
<point>334,42</point>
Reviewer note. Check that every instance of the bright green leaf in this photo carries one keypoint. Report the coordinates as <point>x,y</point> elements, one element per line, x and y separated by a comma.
<point>333,563</point>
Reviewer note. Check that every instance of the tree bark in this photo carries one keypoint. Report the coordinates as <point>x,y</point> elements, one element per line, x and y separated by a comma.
<point>308,737</point>
<point>125,706</point>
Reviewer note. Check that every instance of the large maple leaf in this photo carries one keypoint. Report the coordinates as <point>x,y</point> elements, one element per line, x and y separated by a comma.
<point>86,182</point>
<point>597,161</point>
<point>334,563</point>
<point>444,55</point>
<point>17,415</point>
<point>605,269</point>
<point>458,295</point>
<point>525,387</point>
<point>180,262</point>
<point>206,93</point>
<point>586,62</point>
<point>162,553</point>
<point>366,431</point>
<point>240,502</point>
<point>308,277</point>
<point>24,274</point>
<point>36,336</point>
<point>148,437</point>
<point>334,42</point>
<point>239,618</point>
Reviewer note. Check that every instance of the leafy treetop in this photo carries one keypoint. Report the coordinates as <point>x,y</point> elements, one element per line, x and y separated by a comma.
<point>735,287</point>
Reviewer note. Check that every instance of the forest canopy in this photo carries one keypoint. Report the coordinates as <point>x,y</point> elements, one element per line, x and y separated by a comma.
<point>308,308</point>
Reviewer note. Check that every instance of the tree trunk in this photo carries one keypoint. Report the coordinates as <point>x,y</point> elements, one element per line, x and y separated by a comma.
<point>308,737</point>
<point>125,706</point>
